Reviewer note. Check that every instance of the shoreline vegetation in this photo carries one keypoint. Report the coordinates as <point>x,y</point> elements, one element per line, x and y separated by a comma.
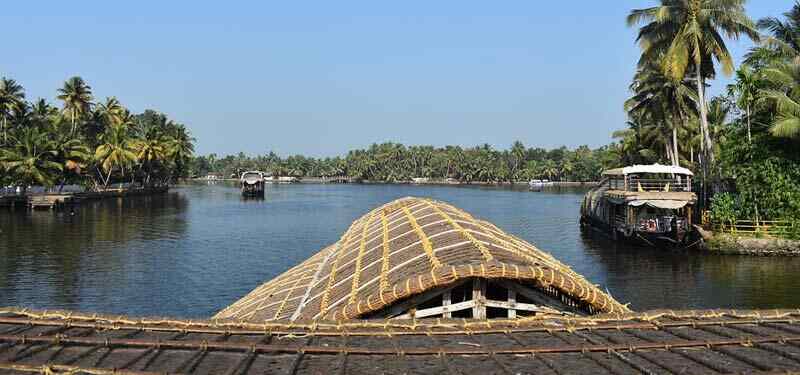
<point>323,180</point>
<point>397,163</point>
<point>95,145</point>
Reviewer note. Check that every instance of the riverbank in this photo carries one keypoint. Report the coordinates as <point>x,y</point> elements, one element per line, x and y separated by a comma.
<point>723,243</point>
<point>58,200</point>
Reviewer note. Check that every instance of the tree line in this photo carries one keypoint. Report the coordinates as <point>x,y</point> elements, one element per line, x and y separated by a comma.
<point>394,162</point>
<point>743,142</point>
<point>93,144</point>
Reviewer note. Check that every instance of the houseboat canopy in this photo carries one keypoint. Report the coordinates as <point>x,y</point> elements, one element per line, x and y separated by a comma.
<point>252,177</point>
<point>407,249</point>
<point>671,204</point>
<point>652,168</point>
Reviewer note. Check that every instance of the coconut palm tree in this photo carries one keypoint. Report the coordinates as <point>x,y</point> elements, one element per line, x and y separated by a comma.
<point>71,153</point>
<point>783,82</point>
<point>150,148</point>
<point>784,43</point>
<point>77,98</point>
<point>550,169</point>
<point>745,89</point>
<point>179,147</point>
<point>666,103</point>
<point>718,113</point>
<point>687,34</point>
<point>115,151</point>
<point>517,157</point>
<point>43,112</point>
<point>112,111</point>
<point>12,95</point>
<point>31,158</point>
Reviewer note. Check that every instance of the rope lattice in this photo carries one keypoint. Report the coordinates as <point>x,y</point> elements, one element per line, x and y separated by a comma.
<point>404,248</point>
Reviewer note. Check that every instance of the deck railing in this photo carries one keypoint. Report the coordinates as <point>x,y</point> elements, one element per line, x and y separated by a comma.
<point>762,228</point>
<point>651,184</point>
<point>8,191</point>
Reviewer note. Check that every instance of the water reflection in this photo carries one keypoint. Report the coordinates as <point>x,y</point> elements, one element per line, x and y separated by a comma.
<point>200,247</point>
<point>53,258</point>
<point>651,278</point>
<point>253,198</point>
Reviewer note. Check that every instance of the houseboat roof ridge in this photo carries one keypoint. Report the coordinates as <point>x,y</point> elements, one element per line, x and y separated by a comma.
<point>650,168</point>
<point>403,249</point>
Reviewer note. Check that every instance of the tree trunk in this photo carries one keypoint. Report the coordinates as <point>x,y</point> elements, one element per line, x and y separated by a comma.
<point>108,179</point>
<point>703,114</point>
<point>668,148</point>
<point>749,136</point>
<point>706,149</point>
<point>676,159</point>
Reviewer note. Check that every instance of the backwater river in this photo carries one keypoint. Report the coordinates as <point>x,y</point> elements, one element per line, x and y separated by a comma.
<point>199,248</point>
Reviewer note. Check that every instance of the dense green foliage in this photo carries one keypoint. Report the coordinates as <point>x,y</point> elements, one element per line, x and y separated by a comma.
<point>760,161</point>
<point>392,162</point>
<point>85,142</point>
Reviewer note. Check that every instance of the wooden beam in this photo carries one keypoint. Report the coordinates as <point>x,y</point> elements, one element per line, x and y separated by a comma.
<point>446,303</point>
<point>520,306</point>
<point>538,297</point>
<point>438,310</point>
<point>512,300</point>
<point>403,307</point>
<point>478,295</point>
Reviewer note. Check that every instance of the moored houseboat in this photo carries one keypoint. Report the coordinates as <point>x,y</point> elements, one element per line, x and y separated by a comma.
<point>651,204</point>
<point>252,183</point>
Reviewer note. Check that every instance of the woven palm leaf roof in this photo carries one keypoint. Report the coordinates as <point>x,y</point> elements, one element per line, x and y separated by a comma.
<point>402,249</point>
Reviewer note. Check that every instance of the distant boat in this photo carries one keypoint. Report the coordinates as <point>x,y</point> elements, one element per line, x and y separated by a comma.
<point>538,184</point>
<point>285,179</point>
<point>420,180</point>
<point>252,183</point>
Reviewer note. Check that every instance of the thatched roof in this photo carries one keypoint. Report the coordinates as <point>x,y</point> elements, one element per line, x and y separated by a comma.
<point>402,249</point>
<point>655,342</point>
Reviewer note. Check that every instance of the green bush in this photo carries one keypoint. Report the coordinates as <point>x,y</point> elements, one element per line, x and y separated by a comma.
<point>724,208</point>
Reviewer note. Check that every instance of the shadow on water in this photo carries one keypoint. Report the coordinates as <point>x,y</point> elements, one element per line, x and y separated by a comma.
<point>199,248</point>
<point>690,279</point>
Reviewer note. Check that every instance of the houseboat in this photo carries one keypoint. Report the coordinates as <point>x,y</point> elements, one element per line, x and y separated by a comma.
<point>252,183</point>
<point>651,204</point>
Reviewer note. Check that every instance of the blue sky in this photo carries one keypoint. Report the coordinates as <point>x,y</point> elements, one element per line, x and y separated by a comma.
<point>320,78</point>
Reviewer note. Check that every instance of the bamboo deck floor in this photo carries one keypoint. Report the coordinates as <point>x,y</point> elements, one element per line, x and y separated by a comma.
<point>656,342</point>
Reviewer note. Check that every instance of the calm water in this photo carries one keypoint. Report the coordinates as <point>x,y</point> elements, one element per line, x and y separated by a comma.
<point>199,248</point>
